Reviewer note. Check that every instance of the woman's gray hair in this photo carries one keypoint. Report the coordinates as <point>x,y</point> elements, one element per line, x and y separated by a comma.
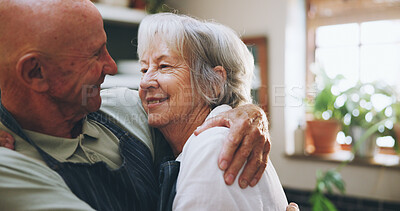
<point>204,45</point>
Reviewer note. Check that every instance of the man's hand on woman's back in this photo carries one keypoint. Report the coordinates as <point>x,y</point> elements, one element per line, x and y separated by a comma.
<point>6,140</point>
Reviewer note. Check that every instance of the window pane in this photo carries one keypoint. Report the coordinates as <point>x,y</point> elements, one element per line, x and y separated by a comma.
<point>380,62</point>
<point>337,35</point>
<point>387,31</point>
<point>343,60</point>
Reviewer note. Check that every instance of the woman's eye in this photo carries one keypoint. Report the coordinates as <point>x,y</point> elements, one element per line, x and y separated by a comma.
<point>143,70</point>
<point>162,66</point>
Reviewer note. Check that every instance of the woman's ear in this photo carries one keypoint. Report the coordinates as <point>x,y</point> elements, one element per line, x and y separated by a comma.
<point>221,71</point>
<point>29,71</point>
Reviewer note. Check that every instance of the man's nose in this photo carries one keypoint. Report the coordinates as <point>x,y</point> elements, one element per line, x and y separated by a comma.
<point>110,67</point>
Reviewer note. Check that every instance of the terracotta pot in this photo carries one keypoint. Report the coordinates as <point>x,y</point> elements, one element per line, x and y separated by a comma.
<point>323,134</point>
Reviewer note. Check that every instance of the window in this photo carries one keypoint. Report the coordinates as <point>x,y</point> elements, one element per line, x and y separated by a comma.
<point>360,40</point>
<point>365,52</point>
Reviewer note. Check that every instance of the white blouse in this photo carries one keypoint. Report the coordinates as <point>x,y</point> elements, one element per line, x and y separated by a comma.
<point>201,186</point>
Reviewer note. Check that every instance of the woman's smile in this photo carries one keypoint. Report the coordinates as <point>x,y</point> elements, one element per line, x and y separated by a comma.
<point>155,102</point>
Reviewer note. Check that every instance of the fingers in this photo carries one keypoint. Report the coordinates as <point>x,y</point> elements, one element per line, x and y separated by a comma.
<point>6,140</point>
<point>292,207</point>
<point>239,158</point>
<point>256,163</point>
<point>234,139</point>
<point>230,146</point>
<point>212,122</point>
<point>241,151</point>
<point>262,166</point>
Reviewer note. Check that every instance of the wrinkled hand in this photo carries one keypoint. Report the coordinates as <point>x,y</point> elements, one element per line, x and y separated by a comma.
<point>6,140</point>
<point>292,207</point>
<point>248,140</point>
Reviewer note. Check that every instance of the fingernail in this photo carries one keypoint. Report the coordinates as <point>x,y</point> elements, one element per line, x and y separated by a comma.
<point>223,165</point>
<point>196,131</point>
<point>229,179</point>
<point>253,182</point>
<point>243,183</point>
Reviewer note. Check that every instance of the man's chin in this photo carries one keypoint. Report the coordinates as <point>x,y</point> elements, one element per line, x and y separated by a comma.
<point>93,105</point>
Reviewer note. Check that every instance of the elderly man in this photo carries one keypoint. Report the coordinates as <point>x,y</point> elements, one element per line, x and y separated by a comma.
<point>69,156</point>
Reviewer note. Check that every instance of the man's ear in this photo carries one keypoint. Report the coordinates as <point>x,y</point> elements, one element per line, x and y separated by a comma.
<point>29,71</point>
<point>221,71</point>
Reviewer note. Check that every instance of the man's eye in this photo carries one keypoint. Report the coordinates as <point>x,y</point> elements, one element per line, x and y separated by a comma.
<point>143,70</point>
<point>97,53</point>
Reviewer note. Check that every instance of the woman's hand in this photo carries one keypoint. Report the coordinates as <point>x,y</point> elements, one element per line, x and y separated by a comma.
<point>6,140</point>
<point>248,140</point>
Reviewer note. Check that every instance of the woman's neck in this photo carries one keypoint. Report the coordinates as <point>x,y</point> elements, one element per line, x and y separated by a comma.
<point>178,132</point>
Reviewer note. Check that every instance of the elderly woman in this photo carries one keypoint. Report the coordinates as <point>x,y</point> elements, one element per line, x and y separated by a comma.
<point>192,71</point>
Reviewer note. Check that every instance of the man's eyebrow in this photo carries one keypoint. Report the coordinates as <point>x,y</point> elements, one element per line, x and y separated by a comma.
<point>98,49</point>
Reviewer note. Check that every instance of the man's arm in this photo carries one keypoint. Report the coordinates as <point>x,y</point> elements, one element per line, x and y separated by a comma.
<point>28,185</point>
<point>248,141</point>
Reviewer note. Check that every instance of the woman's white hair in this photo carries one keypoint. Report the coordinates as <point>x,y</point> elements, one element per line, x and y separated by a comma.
<point>204,45</point>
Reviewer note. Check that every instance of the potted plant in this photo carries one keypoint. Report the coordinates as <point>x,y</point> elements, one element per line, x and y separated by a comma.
<point>327,117</point>
<point>373,121</point>
<point>362,114</point>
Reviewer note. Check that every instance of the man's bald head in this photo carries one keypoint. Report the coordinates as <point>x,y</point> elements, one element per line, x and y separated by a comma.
<point>42,25</point>
<point>54,56</point>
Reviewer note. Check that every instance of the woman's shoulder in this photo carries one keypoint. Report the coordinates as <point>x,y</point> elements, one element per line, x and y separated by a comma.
<point>209,140</point>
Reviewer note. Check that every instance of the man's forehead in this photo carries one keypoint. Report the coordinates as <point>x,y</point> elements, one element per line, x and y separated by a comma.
<point>79,31</point>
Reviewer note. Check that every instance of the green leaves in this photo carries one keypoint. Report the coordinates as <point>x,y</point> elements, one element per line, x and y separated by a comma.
<point>321,203</point>
<point>330,180</point>
<point>326,182</point>
<point>324,101</point>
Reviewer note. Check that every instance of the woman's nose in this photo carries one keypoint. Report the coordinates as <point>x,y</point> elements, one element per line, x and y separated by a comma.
<point>149,79</point>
